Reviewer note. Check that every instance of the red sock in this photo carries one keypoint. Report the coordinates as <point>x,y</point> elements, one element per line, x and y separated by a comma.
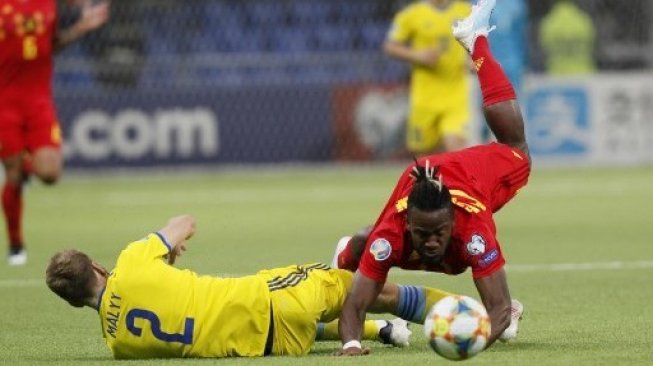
<point>12,205</point>
<point>346,259</point>
<point>495,85</point>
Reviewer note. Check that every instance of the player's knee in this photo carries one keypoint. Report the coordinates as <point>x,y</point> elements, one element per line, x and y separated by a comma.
<point>49,176</point>
<point>48,169</point>
<point>13,176</point>
<point>47,164</point>
<point>13,170</point>
<point>388,299</point>
<point>357,245</point>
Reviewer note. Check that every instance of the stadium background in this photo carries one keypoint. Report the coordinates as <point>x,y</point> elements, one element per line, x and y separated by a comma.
<point>258,100</point>
<point>231,82</point>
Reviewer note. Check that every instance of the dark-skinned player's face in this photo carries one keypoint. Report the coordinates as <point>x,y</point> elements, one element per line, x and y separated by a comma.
<point>431,233</point>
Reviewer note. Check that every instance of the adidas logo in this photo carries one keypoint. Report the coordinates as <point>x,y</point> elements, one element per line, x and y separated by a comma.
<point>478,63</point>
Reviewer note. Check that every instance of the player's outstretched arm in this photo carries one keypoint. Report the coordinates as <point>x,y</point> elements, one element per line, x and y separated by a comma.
<point>177,231</point>
<point>400,51</point>
<point>494,293</point>
<point>363,292</point>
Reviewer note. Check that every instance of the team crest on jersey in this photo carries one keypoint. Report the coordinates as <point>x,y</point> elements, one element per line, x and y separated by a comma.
<point>476,245</point>
<point>381,249</point>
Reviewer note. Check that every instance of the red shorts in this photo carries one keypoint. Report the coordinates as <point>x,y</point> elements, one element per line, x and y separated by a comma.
<point>508,172</point>
<point>495,171</point>
<point>27,124</point>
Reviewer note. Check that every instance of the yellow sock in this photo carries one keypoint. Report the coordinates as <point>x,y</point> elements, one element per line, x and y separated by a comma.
<point>433,295</point>
<point>416,301</point>
<point>329,331</point>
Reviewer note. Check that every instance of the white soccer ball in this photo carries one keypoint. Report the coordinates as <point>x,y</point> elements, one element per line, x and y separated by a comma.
<point>457,327</point>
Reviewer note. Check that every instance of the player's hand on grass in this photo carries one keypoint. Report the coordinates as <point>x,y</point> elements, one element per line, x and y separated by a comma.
<point>352,351</point>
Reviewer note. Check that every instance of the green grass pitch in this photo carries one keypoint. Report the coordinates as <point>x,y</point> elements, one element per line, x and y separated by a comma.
<point>579,243</point>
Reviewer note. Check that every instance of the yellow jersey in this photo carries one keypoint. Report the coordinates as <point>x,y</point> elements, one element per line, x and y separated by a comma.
<point>422,25</point>
<point>151,309</point>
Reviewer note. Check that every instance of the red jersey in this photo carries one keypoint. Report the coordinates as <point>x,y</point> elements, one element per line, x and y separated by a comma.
<point>27,29</point>
<point>481,180</point>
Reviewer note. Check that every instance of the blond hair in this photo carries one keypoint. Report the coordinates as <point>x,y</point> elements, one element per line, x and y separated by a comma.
<point>70,275</point>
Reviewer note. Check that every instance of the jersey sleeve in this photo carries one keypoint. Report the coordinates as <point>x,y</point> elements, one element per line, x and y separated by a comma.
<point>483,253</point>
<point>380,254</point>
<point>153,246</point>
<point>401,29</point>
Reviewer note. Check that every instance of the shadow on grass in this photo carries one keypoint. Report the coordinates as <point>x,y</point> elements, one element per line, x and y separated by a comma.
<point>73,358</point>
<point>103,360</point>
<point>323,351</point>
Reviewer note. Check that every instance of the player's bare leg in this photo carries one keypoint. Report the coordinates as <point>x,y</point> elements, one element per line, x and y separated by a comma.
<point>349,250</point>
<point>12,207</point>
<point>506,122</point>
<point>409,303</point>
<point>500,107</point>
<point>501,110</point>
<point>47,163</point>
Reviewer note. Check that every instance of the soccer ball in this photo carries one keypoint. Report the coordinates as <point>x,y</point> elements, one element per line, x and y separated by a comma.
<point>457,327</point>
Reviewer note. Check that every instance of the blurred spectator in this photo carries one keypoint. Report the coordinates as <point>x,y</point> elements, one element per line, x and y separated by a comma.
<point>508,40</point>
<point>567,36</point>
<point>439,92</point>
<point>118,50</point>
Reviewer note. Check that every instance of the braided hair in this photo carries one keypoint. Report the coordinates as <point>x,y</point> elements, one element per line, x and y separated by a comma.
<point>428,193</point>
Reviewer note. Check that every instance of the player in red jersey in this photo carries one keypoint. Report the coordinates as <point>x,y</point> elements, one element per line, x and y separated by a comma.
<point>30,138</point>
<point>439,217</point>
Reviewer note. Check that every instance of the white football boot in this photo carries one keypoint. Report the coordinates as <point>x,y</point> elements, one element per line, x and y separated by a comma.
<point>476,24</point>
<point>17,257</point>
<point>394,332</point>
<point>342,244</point>
<point>516,311</point>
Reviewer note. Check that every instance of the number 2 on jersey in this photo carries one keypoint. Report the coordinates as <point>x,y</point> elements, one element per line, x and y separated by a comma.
<point>155,324</point>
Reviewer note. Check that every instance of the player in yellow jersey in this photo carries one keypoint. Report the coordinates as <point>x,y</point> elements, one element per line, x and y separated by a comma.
<point>439,90</point>
<point>150,309</point>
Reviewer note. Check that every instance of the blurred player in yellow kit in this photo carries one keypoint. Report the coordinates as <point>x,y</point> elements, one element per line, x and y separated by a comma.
<point>150,309</point>
<point>439,90</point>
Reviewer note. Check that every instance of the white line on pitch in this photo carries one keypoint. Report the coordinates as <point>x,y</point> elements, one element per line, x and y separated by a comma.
<point>27,282</point>
<point>551,267</point>
<point>561,267</point>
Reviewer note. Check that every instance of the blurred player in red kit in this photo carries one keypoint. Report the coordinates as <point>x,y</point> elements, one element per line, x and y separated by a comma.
<point>440,216</point>
<point>30,138</point>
